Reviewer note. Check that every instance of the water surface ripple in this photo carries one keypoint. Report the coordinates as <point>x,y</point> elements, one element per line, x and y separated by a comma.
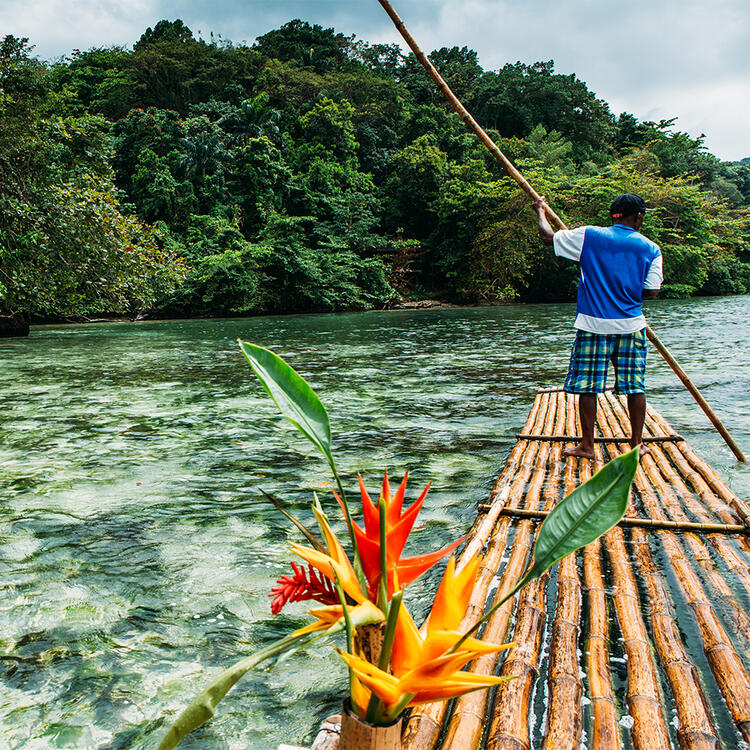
<point>136,552</point>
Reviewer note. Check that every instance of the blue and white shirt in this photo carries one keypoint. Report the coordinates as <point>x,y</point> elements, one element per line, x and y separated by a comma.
<point>617,264</point>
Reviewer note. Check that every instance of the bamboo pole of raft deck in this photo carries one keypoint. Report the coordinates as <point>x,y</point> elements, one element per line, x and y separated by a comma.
<point>643,694</point>
<point>695,730</point>
<point>509,726</point>
<point>564,720</point>
<point>695,393</point>
<point>649,730</point>
<point>605,728</point>
<point>554,218</point>
<point>723,508</point>
<point>660,490</point>
<point>726,666</point>
<point>671,488</point>
<point>738,560</point>
<point>706,472</point>
<point>423,728</point>
<point>466,724</point>
<point>499,494</point>
<point>647,523</point>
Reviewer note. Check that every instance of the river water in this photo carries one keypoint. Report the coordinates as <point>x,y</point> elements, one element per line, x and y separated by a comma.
<point>137,553</point>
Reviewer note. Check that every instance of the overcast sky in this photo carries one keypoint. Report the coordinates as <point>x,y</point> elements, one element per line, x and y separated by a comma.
<point>653,58</point>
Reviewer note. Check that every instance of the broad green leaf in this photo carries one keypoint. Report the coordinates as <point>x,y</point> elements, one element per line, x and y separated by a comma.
<point>589,511</point>
<point>201,709</point>
<point>294,397</point>
<point>299,404</point>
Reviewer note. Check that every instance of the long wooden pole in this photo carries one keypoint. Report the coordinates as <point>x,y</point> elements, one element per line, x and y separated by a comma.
<point>695,393</point>
<point>553,217</point>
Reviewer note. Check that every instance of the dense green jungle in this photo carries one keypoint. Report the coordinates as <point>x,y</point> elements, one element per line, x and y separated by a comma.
<point>312,171</point>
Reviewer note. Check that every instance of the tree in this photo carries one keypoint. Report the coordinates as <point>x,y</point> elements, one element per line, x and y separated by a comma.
<point>305,45</point>
<point>65,248</point>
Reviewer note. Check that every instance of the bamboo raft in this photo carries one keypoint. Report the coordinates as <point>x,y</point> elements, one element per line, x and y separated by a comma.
<point>641,639</point>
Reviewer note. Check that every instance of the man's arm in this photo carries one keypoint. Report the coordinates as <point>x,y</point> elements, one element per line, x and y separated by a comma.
<point>545,230</point>
<point>654,278</point>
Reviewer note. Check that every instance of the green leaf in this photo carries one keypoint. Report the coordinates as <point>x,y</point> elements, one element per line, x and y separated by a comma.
<point>201,709</point>
<point>294,397</point>
<point>589,511</point>
<point>296,522</point>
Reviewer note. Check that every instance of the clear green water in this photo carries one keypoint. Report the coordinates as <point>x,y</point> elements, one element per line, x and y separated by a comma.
<point>136,553</point>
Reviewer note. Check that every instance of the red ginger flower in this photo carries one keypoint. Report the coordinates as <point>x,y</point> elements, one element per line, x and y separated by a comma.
<point>299,588</point>
<point>398,523</point>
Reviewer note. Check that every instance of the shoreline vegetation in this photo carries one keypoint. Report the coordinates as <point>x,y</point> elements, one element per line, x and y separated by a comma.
<point>404,305</point>
<point>315,172</point>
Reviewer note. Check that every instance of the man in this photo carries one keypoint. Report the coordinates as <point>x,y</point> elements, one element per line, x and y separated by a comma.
<point>619,269</point>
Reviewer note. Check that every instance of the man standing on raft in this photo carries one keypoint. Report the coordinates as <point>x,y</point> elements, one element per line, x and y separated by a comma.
<point>619,269</point>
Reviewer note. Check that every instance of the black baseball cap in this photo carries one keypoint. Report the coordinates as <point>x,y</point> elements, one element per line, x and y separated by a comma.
<point>627,204</point>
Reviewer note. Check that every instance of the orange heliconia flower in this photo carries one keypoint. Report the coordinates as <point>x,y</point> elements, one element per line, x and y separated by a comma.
<point>333,565</point>
<point>401,571</point>
<point>426,669</point>
<point>365,613</point>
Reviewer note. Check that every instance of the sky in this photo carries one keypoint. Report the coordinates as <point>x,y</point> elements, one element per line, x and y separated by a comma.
<point>656,59</point>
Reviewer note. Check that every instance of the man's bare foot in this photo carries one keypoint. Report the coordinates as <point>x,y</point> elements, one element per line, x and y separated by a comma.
<point>579,452</point>
<point>643,450</point>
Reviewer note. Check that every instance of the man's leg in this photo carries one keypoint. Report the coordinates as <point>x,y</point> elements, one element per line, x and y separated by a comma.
<point>637,412</point>
<point>630,379</point>
<point>587,413</point>
<point>587,375</point>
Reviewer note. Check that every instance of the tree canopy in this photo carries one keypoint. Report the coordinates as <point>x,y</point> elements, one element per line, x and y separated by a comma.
<point>315,171</point>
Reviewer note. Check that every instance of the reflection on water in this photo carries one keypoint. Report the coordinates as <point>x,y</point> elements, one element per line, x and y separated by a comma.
<point>137,553</point>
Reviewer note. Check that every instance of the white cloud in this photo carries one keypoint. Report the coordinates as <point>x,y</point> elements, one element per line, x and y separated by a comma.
<point>686,59</point>
<point>56,27</point>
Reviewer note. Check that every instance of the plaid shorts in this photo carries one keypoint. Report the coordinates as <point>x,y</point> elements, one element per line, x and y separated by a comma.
<point>591,355</point>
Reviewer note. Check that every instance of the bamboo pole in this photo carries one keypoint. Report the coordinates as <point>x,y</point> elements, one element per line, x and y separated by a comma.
<point>554,218</point>
<point>695,393</point>
<point>726,666</point>
<point>732,554</point>
<point>649,523</point>
<point>665,500</point>
<point>642,693</point>
<point>695,730</point>
<point>564,724</point>
<point>605,730</point>
<point>424,725</point>
<point>499,494</point>
<point>466,725</point>
<point>605,727</point>
<point>509,725</point>
<point>709,475</point>
<point>578,438</point>
<point>649,730</point>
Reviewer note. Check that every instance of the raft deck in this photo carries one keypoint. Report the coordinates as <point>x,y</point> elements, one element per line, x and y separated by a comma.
<point>639,640</point>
